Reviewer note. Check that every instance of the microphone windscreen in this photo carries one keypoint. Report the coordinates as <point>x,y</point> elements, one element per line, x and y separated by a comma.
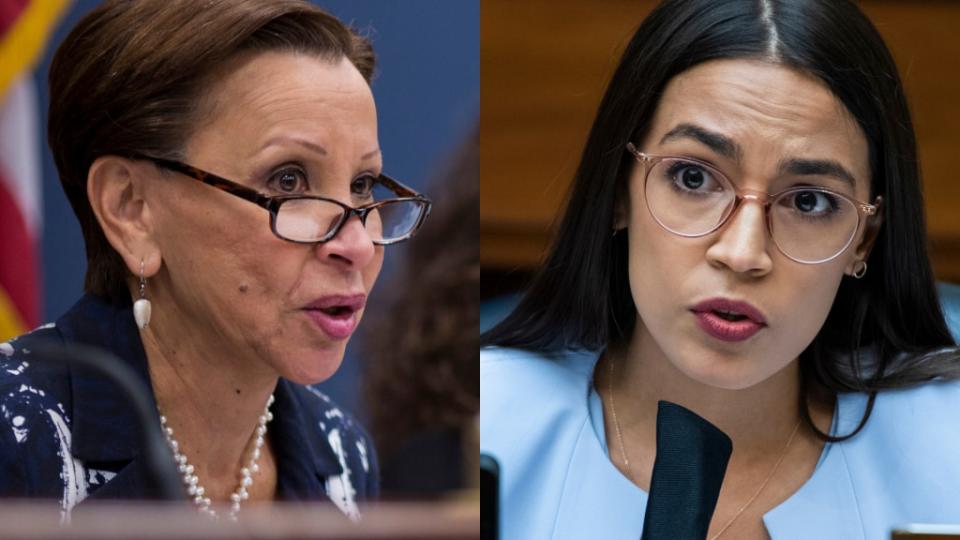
<point>692,456</point>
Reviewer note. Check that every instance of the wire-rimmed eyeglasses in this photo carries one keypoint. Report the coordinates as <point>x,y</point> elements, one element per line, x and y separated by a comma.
<point>809,224</point>
<point>309,219</point>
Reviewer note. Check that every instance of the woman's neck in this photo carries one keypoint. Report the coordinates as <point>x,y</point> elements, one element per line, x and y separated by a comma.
<point>758,419</point>
<point>211,400</point>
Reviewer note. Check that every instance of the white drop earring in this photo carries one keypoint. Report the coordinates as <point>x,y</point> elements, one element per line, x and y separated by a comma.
<point>142,307</point>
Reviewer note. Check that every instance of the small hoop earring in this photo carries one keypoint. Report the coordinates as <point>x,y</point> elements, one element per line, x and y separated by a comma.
<point>859,269</point>
<point>142,307</point>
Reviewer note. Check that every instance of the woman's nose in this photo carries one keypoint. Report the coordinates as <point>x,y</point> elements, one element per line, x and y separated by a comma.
<point>743,244</point>
<point>351,246</point>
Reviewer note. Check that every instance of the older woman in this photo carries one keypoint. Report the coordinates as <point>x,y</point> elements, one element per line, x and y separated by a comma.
<point>744,239</point>
<point>224,166</point>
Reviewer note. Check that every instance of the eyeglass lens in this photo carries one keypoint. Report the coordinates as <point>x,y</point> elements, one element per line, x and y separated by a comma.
<point>808,224</point>
<point>311,220</point>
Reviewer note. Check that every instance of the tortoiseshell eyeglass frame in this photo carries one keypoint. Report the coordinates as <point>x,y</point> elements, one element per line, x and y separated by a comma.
<point>272,204</point>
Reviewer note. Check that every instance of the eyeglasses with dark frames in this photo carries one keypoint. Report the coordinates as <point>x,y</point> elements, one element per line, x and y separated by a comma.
<point>809,224</point>
<point>309,219</point>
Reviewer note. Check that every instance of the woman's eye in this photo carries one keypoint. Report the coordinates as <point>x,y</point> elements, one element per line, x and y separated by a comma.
<point>688,176</point>
<point>813,202</point>
<point>362,186</point>
<point>692,178</point>
<point>289,181</point>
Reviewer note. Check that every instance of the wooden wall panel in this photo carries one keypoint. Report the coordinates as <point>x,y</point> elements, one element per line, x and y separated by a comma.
<point>545,64</point>
<point>923,38</point>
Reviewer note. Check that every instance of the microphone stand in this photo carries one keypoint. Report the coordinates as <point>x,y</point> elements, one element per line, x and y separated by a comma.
<point>165,480</point>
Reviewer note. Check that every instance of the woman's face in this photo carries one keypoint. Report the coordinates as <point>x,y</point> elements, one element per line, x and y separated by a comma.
<point>280,123</point>
<point>750,119</point>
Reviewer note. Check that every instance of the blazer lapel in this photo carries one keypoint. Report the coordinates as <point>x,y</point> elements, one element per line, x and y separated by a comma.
<point>304,457</point>
<point>106,432</point>
<point>130,483</point>
<point>829,494</point>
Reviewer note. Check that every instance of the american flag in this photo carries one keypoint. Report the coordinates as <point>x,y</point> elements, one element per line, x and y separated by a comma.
<point>24,28</point>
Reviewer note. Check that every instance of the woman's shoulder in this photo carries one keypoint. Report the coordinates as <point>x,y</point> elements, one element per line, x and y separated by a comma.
<point>909,446</point>
<point>928,409</point>
<point>923,415</point>
<point>535,420</point>
<point>22,377</point>
<point>19,346</point>
<point>505,368</point>
<point>521,389</point>
<point>528,396</point>
<point>34,418</point>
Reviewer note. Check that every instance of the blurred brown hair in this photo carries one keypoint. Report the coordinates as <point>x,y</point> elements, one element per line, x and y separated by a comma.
<point>132,75</point>
<point>421,366</point>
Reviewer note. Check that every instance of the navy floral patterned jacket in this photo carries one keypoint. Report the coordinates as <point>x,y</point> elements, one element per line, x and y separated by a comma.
<point>69,435</point>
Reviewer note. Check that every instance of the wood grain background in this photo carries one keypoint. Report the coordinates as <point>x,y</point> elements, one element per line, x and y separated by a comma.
<point>544,66</point>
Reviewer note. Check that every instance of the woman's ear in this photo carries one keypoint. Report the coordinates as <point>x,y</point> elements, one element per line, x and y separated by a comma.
<point>870,232</point>
<point>621,213</point>
<point>117,191</point>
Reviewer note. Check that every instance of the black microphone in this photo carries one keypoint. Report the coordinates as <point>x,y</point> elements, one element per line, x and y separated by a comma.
<point>165,481</point>
<point>692,456</point>
<point>489,498</point>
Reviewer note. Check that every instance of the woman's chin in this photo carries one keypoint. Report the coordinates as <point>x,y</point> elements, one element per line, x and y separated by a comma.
<point>312,367</point>
<point>723,374</point>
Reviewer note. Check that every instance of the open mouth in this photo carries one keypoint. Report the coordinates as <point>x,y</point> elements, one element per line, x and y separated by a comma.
<point>729,320</point>
<point>338,322</point>
<point>729,315</point>
<point>337,311</point>
<point>336,315</point>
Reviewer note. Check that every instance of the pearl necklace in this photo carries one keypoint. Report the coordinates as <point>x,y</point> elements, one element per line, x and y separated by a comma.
<point>192,482</point>
<point>626,462</point>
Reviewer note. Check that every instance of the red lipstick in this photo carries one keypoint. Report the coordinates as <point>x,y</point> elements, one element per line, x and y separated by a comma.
<point>728,320</point>
<point>336,315</point>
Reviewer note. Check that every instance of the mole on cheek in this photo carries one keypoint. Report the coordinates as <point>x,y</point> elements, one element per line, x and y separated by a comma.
<point>244,288</point>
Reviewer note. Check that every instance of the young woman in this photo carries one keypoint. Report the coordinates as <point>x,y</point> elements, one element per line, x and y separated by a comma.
<point>745,238</point>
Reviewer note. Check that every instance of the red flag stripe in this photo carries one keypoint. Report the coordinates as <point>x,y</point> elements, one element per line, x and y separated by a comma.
<point>10,10</point>
<point>19,268</point>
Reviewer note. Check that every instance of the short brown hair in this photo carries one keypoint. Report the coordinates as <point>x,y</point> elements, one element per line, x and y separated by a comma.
<point>131,76</point>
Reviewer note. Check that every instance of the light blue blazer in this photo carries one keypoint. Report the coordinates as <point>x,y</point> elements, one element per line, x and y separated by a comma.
<point>543,421</point>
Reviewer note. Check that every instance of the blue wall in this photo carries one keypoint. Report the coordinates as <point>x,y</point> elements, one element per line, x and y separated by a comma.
<point>427,90</point>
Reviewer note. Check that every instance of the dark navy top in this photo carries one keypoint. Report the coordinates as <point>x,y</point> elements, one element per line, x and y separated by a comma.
<point>68,434</point>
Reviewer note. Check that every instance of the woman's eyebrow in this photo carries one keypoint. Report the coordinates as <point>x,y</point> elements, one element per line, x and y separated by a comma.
<point>728,148</point>
<point>817,167</point>
<point>284,139</point>
<point>718,142</point>
<point>309,145</point>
